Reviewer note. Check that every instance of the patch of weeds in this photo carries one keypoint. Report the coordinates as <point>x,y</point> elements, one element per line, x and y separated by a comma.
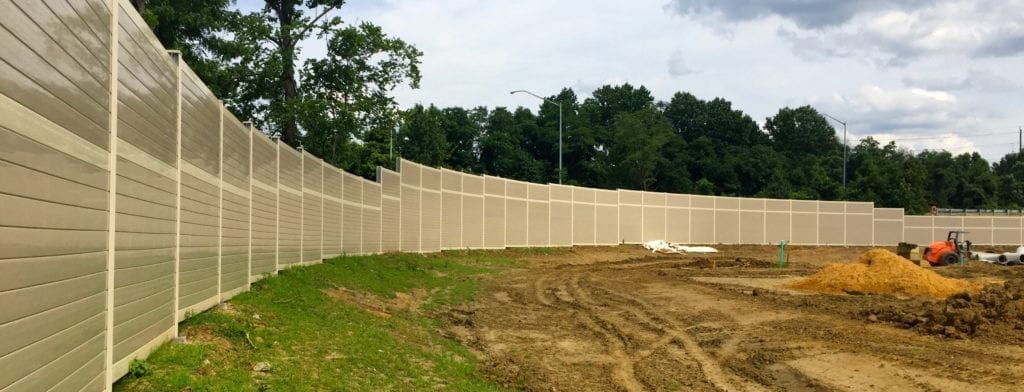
<point>137,368</point>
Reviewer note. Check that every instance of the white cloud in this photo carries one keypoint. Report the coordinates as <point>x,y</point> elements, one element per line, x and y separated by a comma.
<point>677,64</point>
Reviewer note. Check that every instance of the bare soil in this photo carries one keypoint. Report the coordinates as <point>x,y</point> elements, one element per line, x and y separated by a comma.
<point>608,319</point>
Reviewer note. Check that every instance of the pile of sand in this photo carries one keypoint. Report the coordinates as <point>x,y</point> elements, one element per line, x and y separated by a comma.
<point>880,271</point>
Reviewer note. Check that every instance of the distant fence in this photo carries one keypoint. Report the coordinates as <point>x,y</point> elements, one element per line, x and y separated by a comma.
<point>129,197</point>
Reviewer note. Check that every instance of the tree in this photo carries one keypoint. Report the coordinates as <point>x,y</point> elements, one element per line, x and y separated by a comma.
<point>637,149</point>
<point>422,136</point>
<point>346,94</point>
<point>802,131</point>
<point>501,147</point>
<point>200,30</point>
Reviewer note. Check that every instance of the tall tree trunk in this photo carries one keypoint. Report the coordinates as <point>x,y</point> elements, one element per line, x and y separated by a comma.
<point>289,87</point>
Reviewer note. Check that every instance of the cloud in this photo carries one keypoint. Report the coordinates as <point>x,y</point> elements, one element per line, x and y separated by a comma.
<point>884,33</point>
<point>808,14</point>
<point>974,79</point>
<point>677,64</point>
<point>876,110</point>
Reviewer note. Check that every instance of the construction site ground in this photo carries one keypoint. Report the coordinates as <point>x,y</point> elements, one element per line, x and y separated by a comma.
<point>622,318</point>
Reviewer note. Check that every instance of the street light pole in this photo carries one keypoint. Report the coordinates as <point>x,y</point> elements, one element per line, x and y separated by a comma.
<point>559,128</point>
<point>845,148</point>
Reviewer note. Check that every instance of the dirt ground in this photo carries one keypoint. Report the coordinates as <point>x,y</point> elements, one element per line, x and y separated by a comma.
<point>606,319</point>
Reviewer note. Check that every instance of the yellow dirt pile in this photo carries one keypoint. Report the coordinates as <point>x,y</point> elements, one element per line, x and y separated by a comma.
<point>879,271</point>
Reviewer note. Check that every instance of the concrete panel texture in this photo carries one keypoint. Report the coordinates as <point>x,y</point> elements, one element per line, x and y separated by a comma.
<point>125,184</point>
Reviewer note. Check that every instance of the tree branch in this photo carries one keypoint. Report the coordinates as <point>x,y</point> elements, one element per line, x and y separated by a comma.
<point>313,22</point>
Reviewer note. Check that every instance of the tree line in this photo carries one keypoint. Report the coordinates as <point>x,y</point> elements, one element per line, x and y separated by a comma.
<point>339,107</point>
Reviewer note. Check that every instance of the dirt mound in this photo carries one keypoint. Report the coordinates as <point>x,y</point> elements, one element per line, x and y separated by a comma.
<point>879,271</point>
<point>962,314</point>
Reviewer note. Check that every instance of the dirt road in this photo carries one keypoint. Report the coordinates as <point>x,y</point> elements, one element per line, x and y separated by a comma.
<point>619,319</point>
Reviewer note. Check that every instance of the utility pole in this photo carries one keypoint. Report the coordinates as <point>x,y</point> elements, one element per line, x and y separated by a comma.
<point>1020,139</point>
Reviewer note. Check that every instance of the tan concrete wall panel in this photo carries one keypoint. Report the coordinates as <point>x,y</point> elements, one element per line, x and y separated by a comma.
<point>333,184</point>
<point>451,219</point>
<point>147,191</point>
<point>831,229</point>
<point>234,249</point>
<point>702,225</point>
<point>832,207</point>
<point>494,221</point>
<point>538,221</point>
<point>561,228</point>
<point>977,222</point>
<point>236,152</point>
<point>200,124</point>
<point>410,217</point>
<point>53,293</point>
<point>606,224</point>
<point>697,201</point>
<point>430,210</point>
<point>451,180</point>
<point>352,214</point>
<point>805,206</point>
<point>630,222</point>
<point>560,192</point>
<point>631,197</point>
<point>290,167</point>
<point>264,231</point>
<point>517,221</point>
<point>472,221</point>
<point>752,229</point>
<point>64,80</point>
<point>430,224</point>
<point>777,205</point>
<point>727,226</point>
<point>888,233</point>
<point>727,203</point>
<point>264,162</point>
<point>677,224</point>
<point>289,224</point>
<point>859,229</point>
<point>888,213</point>
<point>312,208</point>
<point>654,216</point>
<point>777,226</point>
<point>516,189</point>
<point>752,204</point>
<point>1007,236</point>
<point>583,223</point>
<point>675,200</point>
<point>860,208</point>
<point>980,237</point>
<point>803,227</point>
<point>372,219</point>
<point>918,221</point>
<point>1007,222</point>
<point>198,243</point>
<point>391,220</point>
<point>920,236</point>
<point>147,92</point>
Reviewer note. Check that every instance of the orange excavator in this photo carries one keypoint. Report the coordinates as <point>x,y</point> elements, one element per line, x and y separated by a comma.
<point>947,252</point>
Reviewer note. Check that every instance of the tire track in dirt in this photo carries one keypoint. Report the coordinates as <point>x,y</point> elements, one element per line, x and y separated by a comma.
<point>623,369</point>
<point>691,350</point>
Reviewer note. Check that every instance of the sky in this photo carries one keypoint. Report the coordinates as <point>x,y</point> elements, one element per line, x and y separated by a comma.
<point>929,74</point>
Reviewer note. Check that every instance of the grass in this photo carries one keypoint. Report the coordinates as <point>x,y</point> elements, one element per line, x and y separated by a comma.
<point>312,341</point>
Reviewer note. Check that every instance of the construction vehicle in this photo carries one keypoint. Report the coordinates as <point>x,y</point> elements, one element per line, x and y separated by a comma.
<point>947,252</point>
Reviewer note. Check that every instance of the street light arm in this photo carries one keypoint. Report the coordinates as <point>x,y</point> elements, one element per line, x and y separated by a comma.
<point>538,97</point>
<point>833,118</point>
